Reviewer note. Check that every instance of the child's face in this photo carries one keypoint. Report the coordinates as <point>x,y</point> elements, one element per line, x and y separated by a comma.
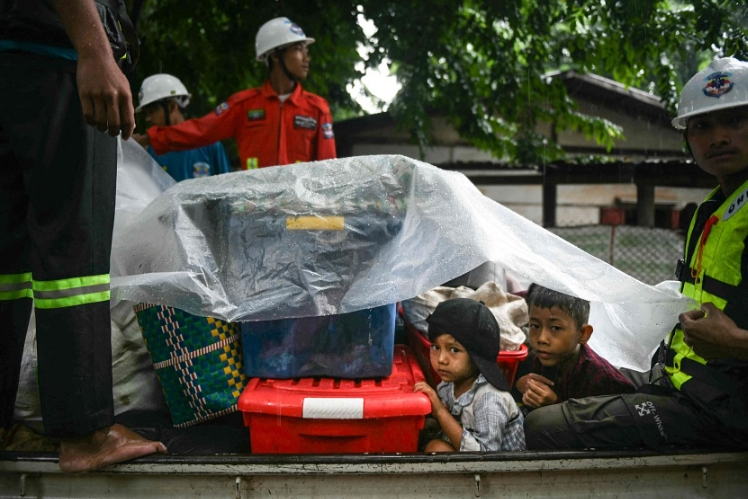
<point>554,335</point>
<point>719,141</point>
<point>451,360</point>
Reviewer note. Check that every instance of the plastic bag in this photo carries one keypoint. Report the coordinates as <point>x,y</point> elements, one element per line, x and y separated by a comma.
<point>140,180</point>
<point>337,236</point>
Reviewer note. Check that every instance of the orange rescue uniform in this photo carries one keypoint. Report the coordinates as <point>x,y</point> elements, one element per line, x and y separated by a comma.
<point>267,132</point>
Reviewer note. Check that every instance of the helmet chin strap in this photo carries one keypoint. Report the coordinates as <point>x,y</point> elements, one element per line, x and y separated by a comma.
<point>165,105</point>
<point>688,146</point>
<point>279,52</point>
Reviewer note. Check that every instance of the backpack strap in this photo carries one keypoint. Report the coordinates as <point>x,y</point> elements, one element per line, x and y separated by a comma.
<point>121,33</point>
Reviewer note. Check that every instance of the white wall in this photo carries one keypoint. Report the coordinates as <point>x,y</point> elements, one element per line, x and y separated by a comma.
<point>434,155</point>
<point>580,204</point>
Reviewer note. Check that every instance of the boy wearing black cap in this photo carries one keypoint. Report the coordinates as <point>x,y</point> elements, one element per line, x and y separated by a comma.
<point>473,406</point>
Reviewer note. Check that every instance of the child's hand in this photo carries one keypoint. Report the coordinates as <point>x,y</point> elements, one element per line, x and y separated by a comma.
<point>522,382</point>
<point>436,402</point>
<point>538,393</point>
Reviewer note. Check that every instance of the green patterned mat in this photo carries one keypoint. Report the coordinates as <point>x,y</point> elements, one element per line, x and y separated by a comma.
<point>198,361</point>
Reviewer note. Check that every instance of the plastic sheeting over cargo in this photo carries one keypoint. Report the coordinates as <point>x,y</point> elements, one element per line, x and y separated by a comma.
<point>340,235</point>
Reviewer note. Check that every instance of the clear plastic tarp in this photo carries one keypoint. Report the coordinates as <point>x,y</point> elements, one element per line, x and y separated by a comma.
<point>341,235</point>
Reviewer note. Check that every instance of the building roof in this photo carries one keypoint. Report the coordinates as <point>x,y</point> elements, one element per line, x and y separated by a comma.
<point>615,95</point>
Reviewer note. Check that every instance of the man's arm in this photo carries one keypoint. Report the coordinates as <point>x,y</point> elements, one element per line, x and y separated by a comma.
<point>103,89</point>
<point>219,125</point>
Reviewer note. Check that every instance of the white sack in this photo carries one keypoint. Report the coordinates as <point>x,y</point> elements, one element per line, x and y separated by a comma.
<point>135,385</point>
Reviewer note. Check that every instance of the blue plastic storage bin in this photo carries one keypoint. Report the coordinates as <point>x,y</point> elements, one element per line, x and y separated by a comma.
<point>355,345</point>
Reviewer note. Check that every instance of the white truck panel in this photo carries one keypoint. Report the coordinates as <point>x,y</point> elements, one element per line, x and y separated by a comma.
<point>535,475</point>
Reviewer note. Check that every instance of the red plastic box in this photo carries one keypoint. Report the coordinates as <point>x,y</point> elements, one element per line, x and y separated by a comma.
<point>508,360</point>
<point>337,416</point>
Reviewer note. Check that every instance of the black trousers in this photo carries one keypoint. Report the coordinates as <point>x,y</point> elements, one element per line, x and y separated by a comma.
<point>57,194</point>
<point>656,417</point>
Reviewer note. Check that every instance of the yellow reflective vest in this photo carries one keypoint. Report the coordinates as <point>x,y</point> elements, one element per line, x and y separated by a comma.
<point>716,257</point>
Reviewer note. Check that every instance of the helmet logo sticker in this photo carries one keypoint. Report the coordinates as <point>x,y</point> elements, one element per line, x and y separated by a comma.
<point>296,30</point>
<point>718,84</point>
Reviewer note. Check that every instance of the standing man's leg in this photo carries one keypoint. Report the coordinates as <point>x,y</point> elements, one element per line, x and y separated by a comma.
<point>69,174</point>
<point>15,277</point>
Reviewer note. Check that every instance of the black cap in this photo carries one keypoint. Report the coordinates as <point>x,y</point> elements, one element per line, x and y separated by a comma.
<point>474,326</point>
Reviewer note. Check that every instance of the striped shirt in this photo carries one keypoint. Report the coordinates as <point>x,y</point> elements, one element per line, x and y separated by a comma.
<point>490,419</point>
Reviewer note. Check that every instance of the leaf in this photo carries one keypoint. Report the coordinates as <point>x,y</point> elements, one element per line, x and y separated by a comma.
<point>479,63</point>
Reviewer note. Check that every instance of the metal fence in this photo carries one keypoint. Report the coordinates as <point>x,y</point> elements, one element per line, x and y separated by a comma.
<point>647,254</point>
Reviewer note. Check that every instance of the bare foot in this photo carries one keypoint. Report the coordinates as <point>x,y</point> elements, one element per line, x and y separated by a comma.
<point>104,447</point>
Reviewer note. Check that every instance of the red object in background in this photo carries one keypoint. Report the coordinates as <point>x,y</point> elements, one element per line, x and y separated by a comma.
<point>337,416</point>
<point>675,219</point>
<point>508,360</point>
<point>612,216</point>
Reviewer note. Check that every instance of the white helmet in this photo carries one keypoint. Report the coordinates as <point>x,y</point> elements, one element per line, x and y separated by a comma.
<point>723,84</point>
<point>162,86</point>
<point>277,33</point>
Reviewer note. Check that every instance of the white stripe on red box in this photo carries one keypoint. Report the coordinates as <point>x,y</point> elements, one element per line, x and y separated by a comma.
<point>333,408</point>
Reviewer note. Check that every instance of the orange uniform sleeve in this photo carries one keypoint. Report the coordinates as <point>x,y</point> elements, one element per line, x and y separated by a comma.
<point>221,124</point>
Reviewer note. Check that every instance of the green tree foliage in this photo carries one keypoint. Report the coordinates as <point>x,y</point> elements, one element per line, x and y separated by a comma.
<point>484,64</point>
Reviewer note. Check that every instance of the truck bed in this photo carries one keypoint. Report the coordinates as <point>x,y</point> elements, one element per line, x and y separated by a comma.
<point>579,474</point>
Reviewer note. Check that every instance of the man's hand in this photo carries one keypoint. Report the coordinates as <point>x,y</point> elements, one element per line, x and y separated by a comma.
<point>144,140</point>
<point>712,334</point>
<point>105,96</point>
<point>538,392</point>
<point>104,91</point>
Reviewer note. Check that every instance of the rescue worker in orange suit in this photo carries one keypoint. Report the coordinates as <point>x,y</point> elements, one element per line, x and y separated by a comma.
<point>277,124</point>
